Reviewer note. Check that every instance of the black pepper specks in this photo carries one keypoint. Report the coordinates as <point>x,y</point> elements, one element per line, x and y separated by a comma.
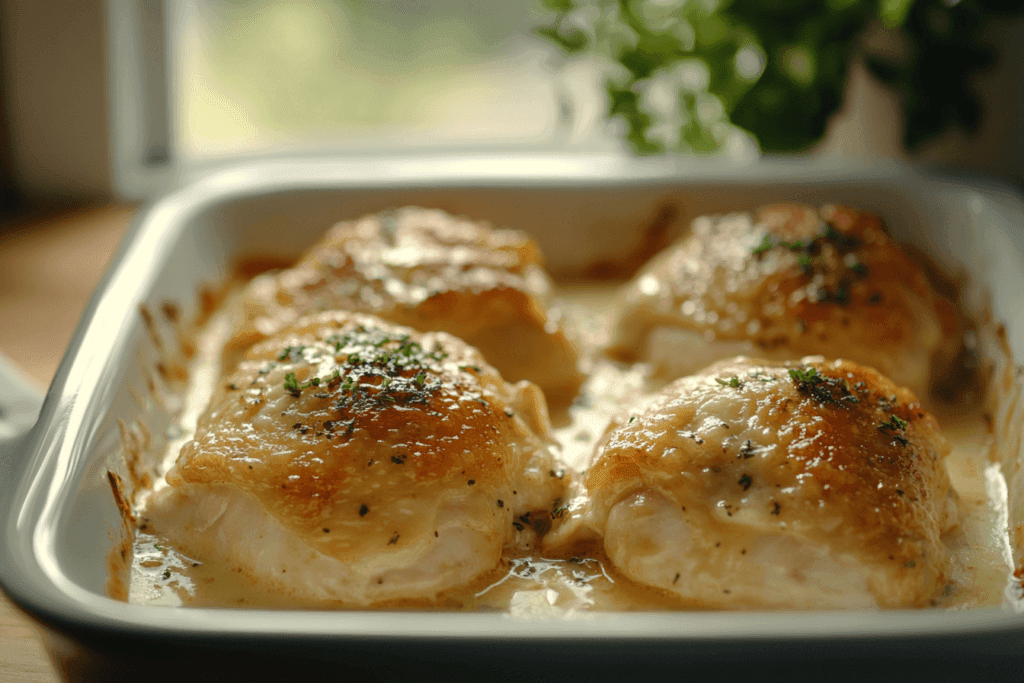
<point>690,435</point>
<point>745,481</point>
<point>747,450</point>
<point>471,482</point>
<point>394,539</point>
<point>399,459</point>
<point>776,507</point>
<point>501,503</point>
<point>363,509</point>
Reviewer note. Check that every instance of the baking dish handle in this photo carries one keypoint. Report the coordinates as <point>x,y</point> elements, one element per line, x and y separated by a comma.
<point>20,401</point>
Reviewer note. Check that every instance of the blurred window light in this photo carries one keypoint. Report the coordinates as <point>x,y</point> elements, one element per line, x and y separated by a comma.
<point>343,75</point>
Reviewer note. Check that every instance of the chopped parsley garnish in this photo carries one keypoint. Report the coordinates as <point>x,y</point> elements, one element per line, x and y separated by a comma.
<point>733,382</point>
<point>898,426</point>
<point>766,245</point>
<point>762,376</point>
<point>292,386</point>
<point>745,481</point>
<point>842,241</point>
<point>559,511</point>
<point>795,245</point>
<point>808,249</point>
<point>805,375</point>
<point>291,352</point>
<point>828,390</point>
<point>401,363</point>
<point>895,423</point>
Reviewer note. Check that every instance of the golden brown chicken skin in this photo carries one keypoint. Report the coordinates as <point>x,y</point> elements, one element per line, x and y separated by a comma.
<point>783,485</point>
<point>432,272</point>
<point>781,283</point>
<point>354,461</point>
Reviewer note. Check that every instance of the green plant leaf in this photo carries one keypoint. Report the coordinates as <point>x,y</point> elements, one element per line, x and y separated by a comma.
<point>894,12</point>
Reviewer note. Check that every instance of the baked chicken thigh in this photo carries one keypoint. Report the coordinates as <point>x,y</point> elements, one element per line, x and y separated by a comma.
<point>432,272</point>
<point>352,461</point>
<point>785,282</point>
<point>774,485</point>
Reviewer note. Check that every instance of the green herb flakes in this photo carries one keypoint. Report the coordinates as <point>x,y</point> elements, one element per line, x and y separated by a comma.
<point>767,243</point>
<point>805,375</point>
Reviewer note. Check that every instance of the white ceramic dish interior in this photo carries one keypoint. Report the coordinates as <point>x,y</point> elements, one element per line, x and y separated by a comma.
<point>59,516</point>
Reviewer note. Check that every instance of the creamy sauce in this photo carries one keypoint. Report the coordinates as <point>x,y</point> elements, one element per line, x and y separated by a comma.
<point>534,586</point>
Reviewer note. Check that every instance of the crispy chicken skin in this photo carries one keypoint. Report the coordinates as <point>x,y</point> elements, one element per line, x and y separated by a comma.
<point>781,283</point>
<point>432,272</point>
<point>759,484</point>
<point>351,460</point>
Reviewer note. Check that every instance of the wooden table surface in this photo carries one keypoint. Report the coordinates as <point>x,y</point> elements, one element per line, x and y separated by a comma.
<point>49,265</point>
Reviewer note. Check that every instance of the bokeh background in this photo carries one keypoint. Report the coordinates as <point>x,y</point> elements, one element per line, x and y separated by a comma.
<point>937,81</point>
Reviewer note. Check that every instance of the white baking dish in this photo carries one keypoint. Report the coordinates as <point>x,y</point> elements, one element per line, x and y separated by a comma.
<point>60,519</point>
